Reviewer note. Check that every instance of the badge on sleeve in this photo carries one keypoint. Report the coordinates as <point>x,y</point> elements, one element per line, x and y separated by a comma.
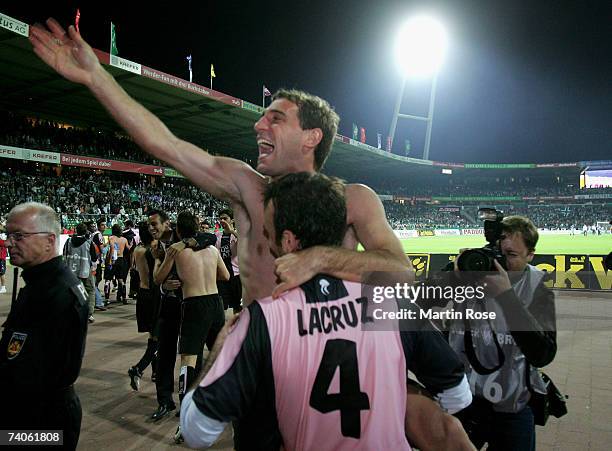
<point>15,344</point>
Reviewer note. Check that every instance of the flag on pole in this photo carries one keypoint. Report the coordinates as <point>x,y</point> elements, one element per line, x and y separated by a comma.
<point>355,131</point>
<point>265,92</point>
<point>77,19</point>
<point>190,73</point>
<point>389,144</point>
<point>113,41</point>
<point>379,140</point>
<point>212,71</point>
<point>362,137</point>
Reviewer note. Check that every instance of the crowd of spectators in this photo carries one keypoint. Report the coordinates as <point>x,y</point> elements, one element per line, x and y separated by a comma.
<point>515,187</point>
<point>551,216</point>
<point>18,131</point>
<point>79,195</point>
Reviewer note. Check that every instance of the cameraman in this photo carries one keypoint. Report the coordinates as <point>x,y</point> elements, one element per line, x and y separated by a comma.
<point>501,355</point>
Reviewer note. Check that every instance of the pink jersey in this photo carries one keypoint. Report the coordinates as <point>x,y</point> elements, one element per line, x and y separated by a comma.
<point>303,366</point>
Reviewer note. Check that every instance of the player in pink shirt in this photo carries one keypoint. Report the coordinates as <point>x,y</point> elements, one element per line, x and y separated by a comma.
<point>300,371</point>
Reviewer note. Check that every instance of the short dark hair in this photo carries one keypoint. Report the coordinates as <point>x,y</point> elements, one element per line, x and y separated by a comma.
<point>129,223</point>
<point>186,224</point>
<point>312,206</point>
<point>314,112</point>
<point>528,230</point>
<point>227,211</point>
<point>116,230</point>
<point>161,213</point>
<point>81,229</point>
<point>100,221</point>
<point>145,234</point>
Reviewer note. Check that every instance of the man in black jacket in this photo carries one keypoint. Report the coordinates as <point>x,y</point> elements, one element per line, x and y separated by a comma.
<point>43,341</point>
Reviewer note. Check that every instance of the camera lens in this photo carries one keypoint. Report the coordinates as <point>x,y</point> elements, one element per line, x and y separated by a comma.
<point>474,260</point>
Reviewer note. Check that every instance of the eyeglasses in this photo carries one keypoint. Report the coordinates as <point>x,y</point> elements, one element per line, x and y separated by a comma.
<point>18,236</point>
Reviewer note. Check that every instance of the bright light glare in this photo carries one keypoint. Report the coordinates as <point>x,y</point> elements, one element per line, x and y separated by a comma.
<point>421,47</point>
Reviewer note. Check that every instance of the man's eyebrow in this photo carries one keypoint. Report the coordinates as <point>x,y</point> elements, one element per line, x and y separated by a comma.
<point>277,112</point>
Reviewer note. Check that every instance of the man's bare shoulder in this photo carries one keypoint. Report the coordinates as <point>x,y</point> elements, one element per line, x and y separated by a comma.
<point>358,189</point>
<point>190,255</point>
<point>244,176</point>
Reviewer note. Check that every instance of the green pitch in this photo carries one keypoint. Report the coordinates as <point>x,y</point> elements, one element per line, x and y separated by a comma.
<point>547,244</point>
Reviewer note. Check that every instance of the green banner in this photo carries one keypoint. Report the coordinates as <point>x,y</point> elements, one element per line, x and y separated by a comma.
<point>252,107</point>
<point>478,198</point>
<point>170,172</point>
<point>500,165</point>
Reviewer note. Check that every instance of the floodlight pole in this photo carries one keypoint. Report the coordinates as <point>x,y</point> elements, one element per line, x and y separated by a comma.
<point>428,119</point>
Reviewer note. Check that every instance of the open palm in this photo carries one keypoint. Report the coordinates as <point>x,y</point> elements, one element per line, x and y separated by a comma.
<point>67,53</point>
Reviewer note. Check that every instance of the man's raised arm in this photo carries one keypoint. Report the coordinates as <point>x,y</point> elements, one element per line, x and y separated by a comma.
<point>75,60</point>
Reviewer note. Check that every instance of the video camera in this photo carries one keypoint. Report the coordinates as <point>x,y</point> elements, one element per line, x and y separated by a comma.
<point>482,259</point>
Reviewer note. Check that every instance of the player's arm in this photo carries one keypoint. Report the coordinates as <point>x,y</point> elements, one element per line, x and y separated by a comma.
<point>383,250</point>
<point>228,390</point>
<point>75,60</point>
<point>162,268</point>
<point>222,272</point>
<point>440,370</point>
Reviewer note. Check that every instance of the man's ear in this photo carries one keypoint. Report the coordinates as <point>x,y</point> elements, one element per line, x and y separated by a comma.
<point>313,137</point>
<point>530,256</point>
<point>289,242</point>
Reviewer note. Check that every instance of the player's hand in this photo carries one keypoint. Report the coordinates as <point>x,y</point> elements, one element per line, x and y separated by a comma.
<point>227,226</point>
<point>175,249</point>
<point>67,53</point>
<point>157,251</point>
<point>171,284</point>
<point>497,283</point>
<point>294,269</point>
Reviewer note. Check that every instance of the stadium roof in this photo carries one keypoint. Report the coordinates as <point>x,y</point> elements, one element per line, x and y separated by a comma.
<point>213,120</point>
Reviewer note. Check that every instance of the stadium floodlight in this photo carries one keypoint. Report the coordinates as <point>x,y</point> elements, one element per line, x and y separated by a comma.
<point>421,47</point>
<point>420,51</point>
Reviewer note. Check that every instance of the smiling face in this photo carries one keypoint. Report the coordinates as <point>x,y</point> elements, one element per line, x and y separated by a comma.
<point>157,227</point>
<point>281,141</point>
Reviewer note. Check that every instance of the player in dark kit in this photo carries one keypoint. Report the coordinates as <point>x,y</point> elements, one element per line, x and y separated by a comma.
<point>147,306</point>
<point>43,341</point>
<point>227,243</point>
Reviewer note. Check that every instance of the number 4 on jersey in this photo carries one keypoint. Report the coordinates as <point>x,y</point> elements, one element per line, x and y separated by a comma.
<point>350,401</point>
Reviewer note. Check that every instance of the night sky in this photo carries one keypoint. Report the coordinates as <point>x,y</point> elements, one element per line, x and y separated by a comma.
<point>524,81</point>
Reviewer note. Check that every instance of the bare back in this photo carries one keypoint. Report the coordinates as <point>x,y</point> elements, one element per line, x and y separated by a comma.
<point>198,271</point>
<point>142,266</point>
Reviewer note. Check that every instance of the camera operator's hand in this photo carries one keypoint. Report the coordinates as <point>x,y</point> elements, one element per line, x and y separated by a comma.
<point>497,283</point>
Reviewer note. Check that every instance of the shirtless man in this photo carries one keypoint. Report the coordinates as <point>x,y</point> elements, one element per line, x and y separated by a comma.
<point>147,305</point>
<point>294,134</point>
<point>202,315</point>
<point>118,245</point>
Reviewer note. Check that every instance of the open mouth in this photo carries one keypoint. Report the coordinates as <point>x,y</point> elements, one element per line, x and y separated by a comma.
<point>265,148</point>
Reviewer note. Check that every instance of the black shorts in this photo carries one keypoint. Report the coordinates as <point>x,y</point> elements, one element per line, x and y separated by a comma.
<point>202,318</point>
<point>147,310</point>
<point>109,271</point>
<point>2,267</point>
<point>120,268</point>
<point>231,292</point>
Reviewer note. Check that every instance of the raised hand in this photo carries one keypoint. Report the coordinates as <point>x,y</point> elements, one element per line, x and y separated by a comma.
<point>67,53</point>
